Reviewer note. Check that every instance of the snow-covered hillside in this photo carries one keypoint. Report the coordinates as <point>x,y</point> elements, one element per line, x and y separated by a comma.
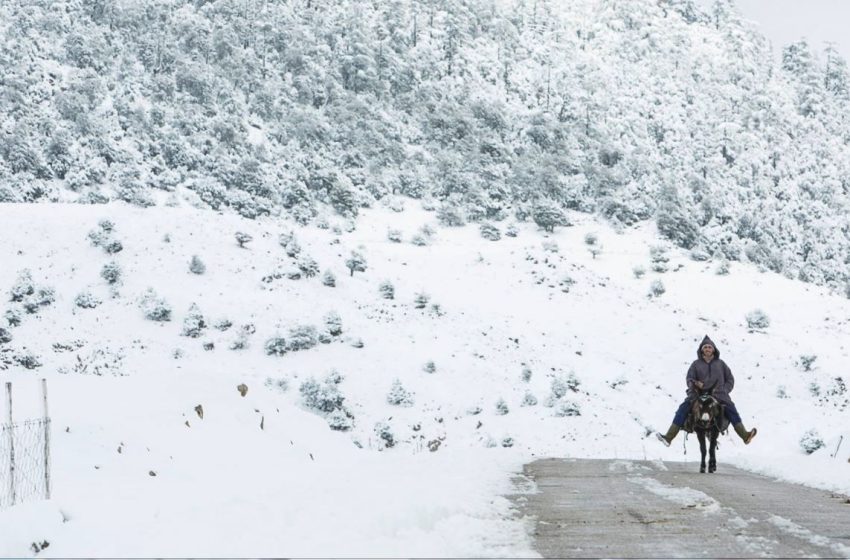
<point>479,335</point>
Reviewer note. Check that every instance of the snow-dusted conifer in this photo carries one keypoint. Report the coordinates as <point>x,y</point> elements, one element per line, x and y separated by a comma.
<point>398,395</point>
<point>387,290</point>
<point>194,323</point>
<point>196,265</point>
<point>329,279</point>
<point>356,263</point>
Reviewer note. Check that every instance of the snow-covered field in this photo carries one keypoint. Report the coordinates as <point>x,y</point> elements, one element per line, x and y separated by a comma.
<point>137,471</point>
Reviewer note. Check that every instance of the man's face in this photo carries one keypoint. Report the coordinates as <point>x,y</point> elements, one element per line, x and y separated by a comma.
<point>707,351</point>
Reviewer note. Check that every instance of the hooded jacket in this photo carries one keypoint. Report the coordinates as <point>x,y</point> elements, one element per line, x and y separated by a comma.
<point>714,375</point>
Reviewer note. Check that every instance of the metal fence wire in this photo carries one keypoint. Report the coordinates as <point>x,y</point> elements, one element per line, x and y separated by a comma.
<point>24,462</point>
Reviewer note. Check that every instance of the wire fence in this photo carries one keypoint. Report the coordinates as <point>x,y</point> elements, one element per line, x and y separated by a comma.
<point>24,462</point>
<point>24,456</point>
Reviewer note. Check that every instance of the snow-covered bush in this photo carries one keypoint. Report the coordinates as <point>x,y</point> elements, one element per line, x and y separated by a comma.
<point>526,374</point>
<point>23,288</point>
<point>242,238</point>
<point>781,392</point>
<point>548,215</point>
<point>340,421</point>
<point>13,317</point>
<point>328,279</point>
<point>421,300</point>
<point>394,235</point>
<point>196,265</point>
<point>722,268</point>
<point>658,257</point>
<point>5,336</point>
<point>290,244</point>
<point>419,240</point>
<point>385,434</point>
<point>154,307</point>
<point>398,395</point>
<point>279,384</point>
<point>501,407</point>
<point>223,324</point>
<point>591,238</point>
<point>356,263</point>
<point>806,361</point>
<point>308,266</point>
<point>113,247</point>
<point>757,320</point>
<point>86,300</point>
<point>387,290</point>
<point>322,397</point>
<point>450,215</point>
<point>333,323</point>
<point>27,360</point>
<point>656,288</point>
<point>194,323</point>
<point>638,271</point>
<point>507,441</point>
<point>567,408</point>
<point>551,247</point>
<point>275,346</point>
<point>811,442</point>
<point>303,337</point>
<point>111,272</point>
<point>429,367</point>
<point>511,231</point>
<point>529,399</point>
<point>490,232</point>
<point>566,283</point>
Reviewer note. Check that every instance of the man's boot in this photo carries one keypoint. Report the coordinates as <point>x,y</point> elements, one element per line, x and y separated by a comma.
<point>746,436</point>
<point>667,438</point>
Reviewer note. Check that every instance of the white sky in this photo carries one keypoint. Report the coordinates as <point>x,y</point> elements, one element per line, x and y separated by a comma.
<point>784,21</point>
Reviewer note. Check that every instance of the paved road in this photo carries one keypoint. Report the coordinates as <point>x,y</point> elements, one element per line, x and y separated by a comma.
<point>616,508</point>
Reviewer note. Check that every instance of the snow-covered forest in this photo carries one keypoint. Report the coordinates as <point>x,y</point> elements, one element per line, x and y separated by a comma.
<point>488,109</point>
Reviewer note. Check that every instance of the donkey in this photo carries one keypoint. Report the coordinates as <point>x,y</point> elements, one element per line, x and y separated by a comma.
<point>708,418</point>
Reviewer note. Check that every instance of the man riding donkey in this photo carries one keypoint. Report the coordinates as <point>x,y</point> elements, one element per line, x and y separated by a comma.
<point>711,373</point>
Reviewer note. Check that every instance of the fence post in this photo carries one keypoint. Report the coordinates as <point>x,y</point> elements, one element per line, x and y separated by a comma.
<point>11,442</point>
<point>46,439</point>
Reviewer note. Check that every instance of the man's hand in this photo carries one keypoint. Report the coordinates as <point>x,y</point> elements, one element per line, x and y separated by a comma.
<point>698,384</point>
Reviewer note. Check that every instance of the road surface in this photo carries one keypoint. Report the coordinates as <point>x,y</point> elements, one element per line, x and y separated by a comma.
<point>643,509</point>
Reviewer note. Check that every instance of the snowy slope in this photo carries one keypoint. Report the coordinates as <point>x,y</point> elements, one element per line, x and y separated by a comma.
<point>263,475</point>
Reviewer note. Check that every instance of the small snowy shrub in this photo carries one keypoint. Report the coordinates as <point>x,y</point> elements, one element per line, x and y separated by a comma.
<point>334,377</point>
<point>13,317</point>
<point>551,247</point>
<point>529,399</point>
<point>387,290</point>
<point>591,238</point>
<point>113,247</point>
<point>279,384</point>
<point>23,288</point>
<point>398,395</point>
<point>419,240</point>
<point>223,324</point>
<point>86,300</point>
<point>814,389</point>
<point>385,434</point>
<point>658,257</point>
<point>448,214</point>
<point>806,361</point>
<point>837,388</point>
<point>328,279</point>
<point>111,272</point>
<point>501,407</point>
<point>490,232</point>
<point>474,410</point>
<point>333,323</point>
<point>811,442</point>
<point>722,268</point>
<point>308,266</point>
<point>303,337</point>
<point>339,421</point>
<point>243,238</point>
<point>240,342</point>
<point>429,367</point>
<point>781,392</point>
<point>356,263</point>
<point>757,320</point>
<point>638,271</point>
<point>394,235</point>
<point>196,265</point>
<point>421,300</point>
<point>567,408</point>
<point>548,216</point>
<point>322,397</point>
<point>511,231</point>
<point>27,360</point>
<point>194,323</point>
<point>154,307</point>
<point>5,336</point>
<point>566,283</point>
<point>290,244</point>
<point>276,346</point>
<point>507,441</point>
<point>526,374</point>
<point>656,288</point>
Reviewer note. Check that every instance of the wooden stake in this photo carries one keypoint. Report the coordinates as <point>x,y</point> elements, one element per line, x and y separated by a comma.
<point>11,442</point>
<point>46,440</point>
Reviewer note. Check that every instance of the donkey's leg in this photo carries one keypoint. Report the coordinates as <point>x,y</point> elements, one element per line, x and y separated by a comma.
<point>701,437</point>
<point>712,459</point>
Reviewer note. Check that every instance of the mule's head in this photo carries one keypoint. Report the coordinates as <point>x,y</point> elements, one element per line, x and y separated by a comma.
<point>705,409</point>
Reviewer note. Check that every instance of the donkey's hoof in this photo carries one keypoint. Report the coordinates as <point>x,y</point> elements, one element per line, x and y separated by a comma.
<point>702,469</point>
